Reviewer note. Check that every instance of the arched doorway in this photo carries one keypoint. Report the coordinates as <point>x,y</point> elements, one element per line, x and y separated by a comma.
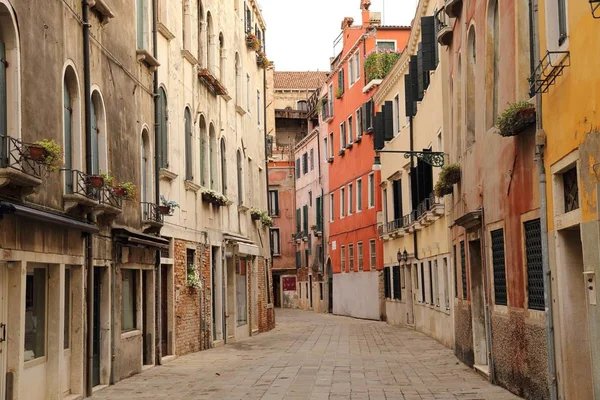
<point>329,286</point>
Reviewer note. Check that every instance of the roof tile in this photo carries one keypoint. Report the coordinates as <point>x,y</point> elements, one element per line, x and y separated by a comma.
<point>299,80</point>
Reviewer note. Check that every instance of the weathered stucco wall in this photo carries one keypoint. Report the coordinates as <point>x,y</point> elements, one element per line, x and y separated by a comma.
<point>345,299</point>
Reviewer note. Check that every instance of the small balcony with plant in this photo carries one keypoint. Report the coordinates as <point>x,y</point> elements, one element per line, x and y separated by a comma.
<point>83,191</point>
<point>261,60</point>
<point>378,64</point>
<point>215,198</point>
<point>262,216</point>
<point>253,42</point>
<point>112,197</point>
<point>516,118</point>
<point>22,164</point>
<point>153,215</point>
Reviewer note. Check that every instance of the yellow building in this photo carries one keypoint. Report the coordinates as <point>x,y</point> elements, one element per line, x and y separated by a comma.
<point>418,284</point>
<point>570,102</point>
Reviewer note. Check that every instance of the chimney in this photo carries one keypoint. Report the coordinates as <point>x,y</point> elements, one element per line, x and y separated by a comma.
<point>366,14</point>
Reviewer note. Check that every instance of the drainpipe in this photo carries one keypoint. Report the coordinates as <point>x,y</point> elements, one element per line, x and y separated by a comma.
<point>540,141</point>
<point>88,165</point>
<point>320,212</point>
<point>412,148</point>
<point>157,159</point>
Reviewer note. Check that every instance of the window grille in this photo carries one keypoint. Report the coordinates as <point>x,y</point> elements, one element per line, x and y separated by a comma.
<point>455,274</point>
<point>571,190</point>
<point>463,270</point>
<point>535,272</point>
<point>498,261</point>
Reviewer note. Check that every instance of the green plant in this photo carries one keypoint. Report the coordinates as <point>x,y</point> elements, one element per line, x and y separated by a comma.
<point>128,188</point>
<point>339,92</point>
<point>252,41</point>
<point>515,118</point>
<point>108,179</point>
<point>168,203</point>
<point>215,197</point>
<point>53,155</point>
<point>262,216</point>
<point>193,279</point>
<point>379,64</point>
<point>449,176</point>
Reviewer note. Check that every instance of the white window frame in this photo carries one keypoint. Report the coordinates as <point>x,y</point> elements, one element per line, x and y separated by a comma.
<point>344,142</point>
<point>359,256</point>
<point>371,194</point>
<point>350,198</point>
<point>372,255</point>
<point>331,145</point>
<point>351,72</point>
<point>351,129</point>
<point>331,207</point>
<point>342,202</point>
<point>396,112</point>
<point>351,257</point>
<point>357,66</point>
<point>326,147</point>
<point>387,41</point>
<point>358,118</point>
<point>273,230</point>
<point>358,195</point>
<point>343,258</point>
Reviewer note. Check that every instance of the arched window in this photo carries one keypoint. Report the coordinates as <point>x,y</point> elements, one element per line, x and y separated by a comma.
<point>471,63</point>
<point>201,36</point>
<point>223,167</point>
<point>302,105</point>
<point>240,179</point>
<point>212,144</point>
<point>73,153</point>
<point>203,150</point>
<point>238,80</point>
<point>146,172</point>
<point>9,80</point>
<point>99,140</point>
<point>210,41</point>
<point>189,154</point>
<point>162,127</point>
<point>222,57</point>
<point>493,59</point>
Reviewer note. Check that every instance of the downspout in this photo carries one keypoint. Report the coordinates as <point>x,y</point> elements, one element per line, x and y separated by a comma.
<point>158,159</point>
<point>270,258</point>
<point>540,142</point>
<point>320,212</point>
<point>88,166</point>
<point>412,148</point>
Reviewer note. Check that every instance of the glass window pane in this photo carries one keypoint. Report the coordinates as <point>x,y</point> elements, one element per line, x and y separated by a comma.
<point>128,304</point>
<point>35,314</point>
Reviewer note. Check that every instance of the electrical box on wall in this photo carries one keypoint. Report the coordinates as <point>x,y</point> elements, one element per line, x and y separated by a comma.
<point>590,285</point>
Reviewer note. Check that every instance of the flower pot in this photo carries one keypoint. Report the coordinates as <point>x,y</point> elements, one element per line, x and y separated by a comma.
<point>452,177</point>
<point>164,210</point>
<point>96,181</point>
<point>37,152</point>
<point>119,191</point>
<point>255,217</point>
<point>207,198</point>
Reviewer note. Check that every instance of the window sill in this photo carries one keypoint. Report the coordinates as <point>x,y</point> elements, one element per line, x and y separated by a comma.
<point>103,9</point>
<point>240,110</point>
<point>131,334</point>
<point>242,208</point>
<point>190,186</point>
<point>167,175</point>
<point>189,56</point>
<point>163,30</point>
<point>35,362</point>
<point>144,56</point>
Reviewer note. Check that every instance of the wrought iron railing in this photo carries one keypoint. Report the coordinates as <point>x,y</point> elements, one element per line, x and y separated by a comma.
<point>15,154</point>
<point>428,204</point>
<point>151,213</point>
<point>78,182</point>
<point>407,220</point>
<point>109,198</point>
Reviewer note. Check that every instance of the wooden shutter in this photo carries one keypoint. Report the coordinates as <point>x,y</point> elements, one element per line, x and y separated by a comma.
<point>368,116</point>
<point>428,37</point>
<point>420,72</point>
<point>388,120</point>
<point>409,104</point>
<point>397,190</point>
<point>379,139</point>
<point>414,75</point>
<point>341,80</point>
<point>305,219</point>
<point>298,220</point>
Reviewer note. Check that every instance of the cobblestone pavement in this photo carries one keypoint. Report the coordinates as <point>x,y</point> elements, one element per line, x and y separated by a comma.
<point>315,356</point>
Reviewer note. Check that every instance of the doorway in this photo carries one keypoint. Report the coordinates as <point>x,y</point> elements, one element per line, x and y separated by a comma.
<point>96,327</point>
<point>330,287</point>
<point>147,317</point>
<point>164,311</point>
<point>310,290</point>
<point>277,290</point>
<point>480,344</point>
<point>3,329</point>
<point>573,313</point>
<point>217,294</point>
<point>410,312</point>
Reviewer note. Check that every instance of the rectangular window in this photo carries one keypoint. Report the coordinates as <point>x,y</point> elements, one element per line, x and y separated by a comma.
<point>387,287</point>
<point>359,124</point>
<point>359,195</point>
<point>446,285</point>
<point>343,135</point>
<point>535,272</point>
<point>129,299</point>
<point>372,255</point>
<point>455,272</point>
<point>275,242</point>
<point>562,22</point>
<point>570,189</point>
<point>463,270</point>
<point>423,299</point>
<point>258,106</point>
<point>321,290</point>
<point>342,202</point>
<point>36,287</point>
<point>396,282</point>
<point>305,220</point>
<point>386,45</point>
<point>359,255</point>
<point>143,29</point>
<point>306,259</point>
<point>397,194</point>
<point>396,116</point>
<point>357,66</point>
<point>351,257</point>
<point>312,159</point>
<point>297,168</point>
<point>403,275</point>
<point>331,207</point>
<point>343,258</point>
<point>305,163</point>
<point>351,72</point>
<point>385,206</point>
<point>350,129</point>
<point>298,220</point>
<point>325,149</point>
<point>498,263</point>
<point>350,199</point>
<point>371,190</point>
<point>431,295</point>
<point>341,84</point>
<point>273,202</point>
<point>331,148</point>
<point>298,260</point>
<point>330,98</point>
<point>310,198</point>
<point>67,307</point>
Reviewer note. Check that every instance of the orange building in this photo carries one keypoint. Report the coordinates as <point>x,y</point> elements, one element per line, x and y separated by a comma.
<point>352,201</point>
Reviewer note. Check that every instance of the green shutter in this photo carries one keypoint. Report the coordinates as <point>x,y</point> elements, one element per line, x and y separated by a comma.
<point>67,120</point>
<point>189,175</point>
<point>95,134</point>
<point>298,220</point>
<point>305,220</point>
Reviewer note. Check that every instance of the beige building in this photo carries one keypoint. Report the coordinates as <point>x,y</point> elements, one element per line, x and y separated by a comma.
<point>418,283</point>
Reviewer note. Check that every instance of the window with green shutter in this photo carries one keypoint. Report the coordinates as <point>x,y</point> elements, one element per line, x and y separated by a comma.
<point>298,220</point>
<point>305,219</point>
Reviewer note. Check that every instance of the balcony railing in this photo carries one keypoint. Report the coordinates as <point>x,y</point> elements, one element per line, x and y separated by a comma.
<point>427,211</point>
<point>109,198</point>
<point>151,214</point>
<point>79,183</point>
<point>15,154</point>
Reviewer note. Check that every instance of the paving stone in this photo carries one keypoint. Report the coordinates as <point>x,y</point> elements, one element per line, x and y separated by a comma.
<point>315,356</point>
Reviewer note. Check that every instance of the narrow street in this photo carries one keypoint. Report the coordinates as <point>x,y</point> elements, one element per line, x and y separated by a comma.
<point>315,356</point>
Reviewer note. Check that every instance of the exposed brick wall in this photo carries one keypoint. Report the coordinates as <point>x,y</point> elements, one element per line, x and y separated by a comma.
<point>192,314</point>
<point>266,316</point>
<point>463,332</point>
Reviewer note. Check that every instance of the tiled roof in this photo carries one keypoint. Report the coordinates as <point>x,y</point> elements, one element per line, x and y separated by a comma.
<point>299,80</point>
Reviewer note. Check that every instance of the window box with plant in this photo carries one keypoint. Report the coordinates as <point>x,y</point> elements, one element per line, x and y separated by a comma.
<point>379,63</point>
<point>46,152</point>
<point>253,42</point>
<point>125,190</point>
<point>262,216</point>
<point>261,60</point>
<point>167,207</point>
<point>101,180</point>
<point>214,198</point>
<point>516,118</point>
<point>193,278</point>
<point>339,93</point>
<point>449,176</point>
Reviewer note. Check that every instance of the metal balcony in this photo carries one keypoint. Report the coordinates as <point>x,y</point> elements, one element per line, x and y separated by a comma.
<point>152,219</point>
<point>453,8</point>
<point>445,24</point>
<point>79,191</point>
<point>17,168</point>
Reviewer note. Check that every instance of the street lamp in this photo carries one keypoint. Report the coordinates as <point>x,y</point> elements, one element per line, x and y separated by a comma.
<point>433,158</point>
<point>402,256</point>
<point>377,163</point>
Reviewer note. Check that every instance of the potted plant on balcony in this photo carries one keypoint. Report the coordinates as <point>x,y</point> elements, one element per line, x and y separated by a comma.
<point>214,198</point>
<point>47,152</point>
<point>339,93</point>
<point>255,214</point>
<point>126,190</point>
<point>193,278</point>
<point>167,207</point>
<point>516,118</point>
<point>262,60</point>
<point>449,176</point>
<point>252,41</point>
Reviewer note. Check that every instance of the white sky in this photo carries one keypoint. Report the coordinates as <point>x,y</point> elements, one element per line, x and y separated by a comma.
<point>300,33</point>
